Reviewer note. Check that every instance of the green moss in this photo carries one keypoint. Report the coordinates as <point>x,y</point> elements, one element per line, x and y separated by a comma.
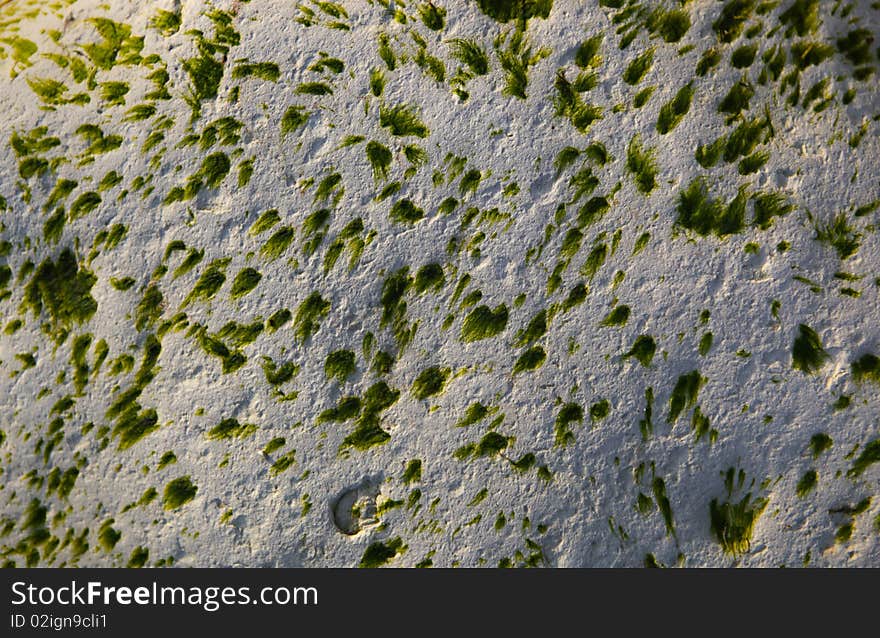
<point>807,353</point>
<point>178,492</point>
<point>866,368</point>
<point>659,489</point>
<point>165,22</point>
<point>700,212</point>
<point>192,259</point>
<point>264,222</point>
<point>587,54</point>
<point>806,53</point>
<point>475,413</point>
<point>734,15</point>
<point>231,429</point>
<point>738,97</point>
<point>856,46</point>
<point>484,323</point>
<point>807,483</point>
<point>380,553</point>
<point>84,204</point>
<point>283,462</point>
<point>643,350</point>
<point>753,163</point>
<point>642,164</point>
<point>870,455</point>
<point>705,344</point>
<point>568,414</point>
<point>167,459</point>
<point>746,137</point>
<point>245,281</point>
<point>471,54</point>
<point>600,410</point>
<point>838,234</point>
<point>294,118</point>
<point>733,523</point>
<point>642,97</point>
<point>673,111</point>
<point>802,17</point>
<point>400,120</point>
<point>769,205</point>
<point>210,281</point>
<point>347,408</point>
<point>532,359</point>
<point>268,71</point>
<point>138,557</point>
<point>149,309</point>
<point>670,24</point>
<point>617,317</point>
<point>743,56</point>
<point>429,382</point>
<point>707,155</point>
<point>274,445</point>
<point>277,243</point>
<point>107,536</point>
<point>63,289</point>
<point>309,314</point>
<point>340,365</point>
<point>684,394</point>
<point>638,67</point>
<point>405,212</point>
<point>380,159</point>
<point>536,329</point>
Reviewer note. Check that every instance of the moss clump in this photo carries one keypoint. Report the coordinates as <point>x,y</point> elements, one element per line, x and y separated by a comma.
<point>531,359</point>
<point>733,523</point>
<point>231,429</point>
<point>708,61</point>
<point>429,277</point>
<point>570,413</point>
<point>401,121</point>
<point>433,16</point>
<point>807,483</point>
<point>734,15</point>
<point>738,97</point>
<point>742,57</point>
<point>703,214</point>
<point>638,67</point>
<point>802,17</point>
<point>347,408</point>
<point>264,222</point>
<point>413,472</point>
<point>769,205</point>
<point>380,159</point>
<point>838,234</point>
<point>673,111</point>
<point>870,455</point>
<point>807,353</point>
<point>866,368</point>
<point>178,492</point>
<point>210,281</point>
<point>684,394</point>
<point>484,323</point>
<point>294,118</point>
<point>806,53</point>
<point>308,316</point>
<point>63,289</point>
<point>405,212</point>
<point>587,54</point>
<point>429,382</point>
<point>617,317</point>
<point>642,164</point>
<point>475,413</point>
<point>245,281</point>
<point>339,365</point>
<point>643,350</point>
<point>381,552</point>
